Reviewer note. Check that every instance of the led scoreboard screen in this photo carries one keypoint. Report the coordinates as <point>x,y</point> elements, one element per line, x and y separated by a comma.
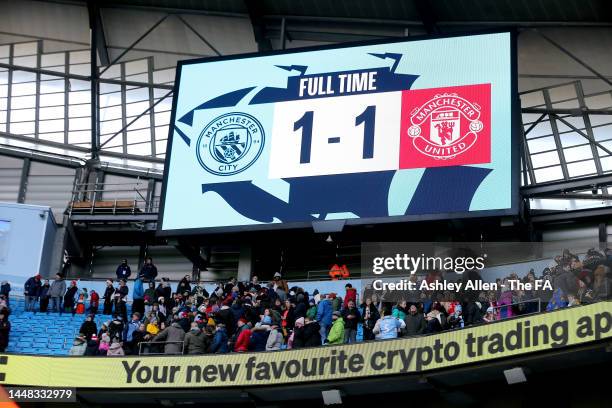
<point>367,133</point>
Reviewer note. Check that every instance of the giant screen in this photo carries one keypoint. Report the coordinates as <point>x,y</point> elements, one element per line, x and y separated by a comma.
<point>367,133</point>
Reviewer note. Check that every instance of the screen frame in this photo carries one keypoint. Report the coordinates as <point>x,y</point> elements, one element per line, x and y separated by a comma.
<point>514,146</point>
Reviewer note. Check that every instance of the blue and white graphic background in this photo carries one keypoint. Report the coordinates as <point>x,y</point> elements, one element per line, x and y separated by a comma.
<point>438,62</point>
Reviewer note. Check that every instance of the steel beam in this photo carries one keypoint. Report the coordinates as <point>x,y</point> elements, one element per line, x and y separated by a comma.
<point>558,187</point>
<point>566,216</point>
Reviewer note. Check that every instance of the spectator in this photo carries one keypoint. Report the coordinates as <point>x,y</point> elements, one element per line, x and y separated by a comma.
<point>275,338</point>
<point>5,330</point>
<point>94,302</point>
<point>5,289</point>
<point>44,296</point>
<point>254,284</point>
<point>312,333</point>
<point>149,298</point>
<point>369,317</point>
<point>350,295</point>
<point>128,334</point>
<point>244,337</point>
<point>104,344</point>
<point>278,282</point>
<point>173,335</point>
<point>138,303</point>
<point>312,310</point>
<point>259,335</point>
<point>115,330</point>
<point>399,310</point>
<point>434,324</point>
<point>184,285</point>
<point>31,291</point>
<point>69,297</point>
<point>88,328</point>
<point>78,346</point>
<point>92,348</point>
<point>388,327</point>
<point>115,349</point>
<point>120,296</point>
<point>489,315</point>
<point>148,272</point>
<point>415,322</point>
<point>351,317</point>
<point>602,286</point>
<point>296,340</point>
<point>140,336</point>
<point>108,297</point>
<point>195,340</point>
<point>336,334</point>
<point>324,316</point>
<point>219,344</point>
<point>123,270</point>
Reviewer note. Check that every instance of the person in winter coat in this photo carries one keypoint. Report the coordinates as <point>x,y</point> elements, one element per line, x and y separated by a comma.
<point>56,293</point>
<point>69,297</point>
<point>336,334</point>
<point>350,295</point>
<point>415,322</point>
<point>195,340</point>
<point>174,335</point>
<point>120,299</point>
<point>44,296</point>
<point>5,330</point>
<point>184,285</point>
<point>219,344</point>
<point>399,310</point>
<point>312,310</point>
<point>275,338</point>
<point>92,348</point>
<point>88,328</point>
<point>351,316</point>
<point>369,317</point>
<point>296,339</point>
<point>123,270</point>
<point>104,344</point>
<point>78,346</point>
<point>259,337</point>
<point>140,336</point>
<point>115,329</point>
<point>128,334</point>
<point>108,297</point>
<point>5,289</point>
<point>225,316</point>
<point>148,272</point>
<point>138,297</point>
<point>94,302</point>
<point>388,327</point>
<point>31,291</point>
<point>312,333</point>
<point>324,316</point>
<point>115,349</point>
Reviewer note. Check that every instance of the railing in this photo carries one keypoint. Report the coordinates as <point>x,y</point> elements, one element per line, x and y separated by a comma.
<point>87,198</point>
<point>538,301</point>
<point>161,345</point>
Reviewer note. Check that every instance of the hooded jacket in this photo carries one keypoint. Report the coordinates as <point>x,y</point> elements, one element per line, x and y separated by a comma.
<point>259,338</point>
<point>324,312</point>
<point>219,344</point>
<point>173,333</point>
<point>78,348</point>
<point>351,294</point>
<point>196,342</point>
<point>336,333</point>
<point>312,335</point>
<point>275,340</point>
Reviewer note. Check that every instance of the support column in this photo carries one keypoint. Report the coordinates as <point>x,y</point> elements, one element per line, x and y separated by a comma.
<point>245,263</point>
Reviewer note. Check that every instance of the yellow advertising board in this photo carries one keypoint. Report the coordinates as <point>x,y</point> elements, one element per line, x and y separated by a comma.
<point>514,337</point>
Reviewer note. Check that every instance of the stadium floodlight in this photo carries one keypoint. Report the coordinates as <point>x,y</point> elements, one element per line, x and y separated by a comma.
<point>331,397</point>
<point>515,376</point>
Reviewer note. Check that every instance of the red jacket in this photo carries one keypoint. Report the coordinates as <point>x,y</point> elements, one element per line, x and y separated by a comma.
<point>242,342</point>
<point>94,300</point>
<point>351,294</point>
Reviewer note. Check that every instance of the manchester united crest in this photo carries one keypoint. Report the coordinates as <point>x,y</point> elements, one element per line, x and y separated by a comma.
<point>449,126</point>
<point>445,126</point>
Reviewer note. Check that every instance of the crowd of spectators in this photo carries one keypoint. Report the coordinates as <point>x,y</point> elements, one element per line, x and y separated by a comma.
<point>255,316</point>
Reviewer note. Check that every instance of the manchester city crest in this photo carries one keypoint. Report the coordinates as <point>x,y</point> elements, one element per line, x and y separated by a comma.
<point>230,144</point>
